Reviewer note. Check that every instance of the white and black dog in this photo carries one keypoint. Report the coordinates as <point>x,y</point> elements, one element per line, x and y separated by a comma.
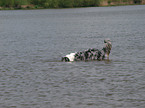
<point>90,54</point>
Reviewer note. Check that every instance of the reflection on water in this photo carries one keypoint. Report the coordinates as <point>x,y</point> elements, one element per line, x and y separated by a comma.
<point>32,43</point>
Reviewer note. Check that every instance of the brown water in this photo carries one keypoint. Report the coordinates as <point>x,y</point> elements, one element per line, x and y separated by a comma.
<point>32,43</point>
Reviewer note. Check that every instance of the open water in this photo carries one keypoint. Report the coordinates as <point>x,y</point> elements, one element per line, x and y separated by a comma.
<point>32,43</point>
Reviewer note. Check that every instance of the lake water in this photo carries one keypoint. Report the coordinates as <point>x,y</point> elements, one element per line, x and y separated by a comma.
<point>32,43</point>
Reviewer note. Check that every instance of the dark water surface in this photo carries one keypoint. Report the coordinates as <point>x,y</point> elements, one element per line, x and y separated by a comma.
<point>33,41</point>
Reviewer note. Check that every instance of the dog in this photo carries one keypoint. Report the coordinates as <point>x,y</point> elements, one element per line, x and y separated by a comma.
<point>90,54</point>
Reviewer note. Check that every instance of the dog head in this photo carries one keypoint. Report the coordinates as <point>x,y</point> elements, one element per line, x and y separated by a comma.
<point>108,47</point>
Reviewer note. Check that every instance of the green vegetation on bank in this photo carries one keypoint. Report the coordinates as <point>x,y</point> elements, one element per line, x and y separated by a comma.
<point>18,4</point>
<point>13,3</point>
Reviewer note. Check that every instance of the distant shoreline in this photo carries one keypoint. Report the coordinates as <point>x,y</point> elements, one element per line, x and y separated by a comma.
<point>34,8</point>
<point>102,3</point>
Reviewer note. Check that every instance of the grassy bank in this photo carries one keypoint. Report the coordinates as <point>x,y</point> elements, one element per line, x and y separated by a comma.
<point>26,4</point>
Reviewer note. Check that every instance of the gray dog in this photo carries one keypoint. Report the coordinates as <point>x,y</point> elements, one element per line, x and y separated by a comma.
<point>90,54</point>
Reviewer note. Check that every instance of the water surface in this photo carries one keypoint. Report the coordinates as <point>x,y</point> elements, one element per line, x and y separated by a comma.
<point>33,41</point>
